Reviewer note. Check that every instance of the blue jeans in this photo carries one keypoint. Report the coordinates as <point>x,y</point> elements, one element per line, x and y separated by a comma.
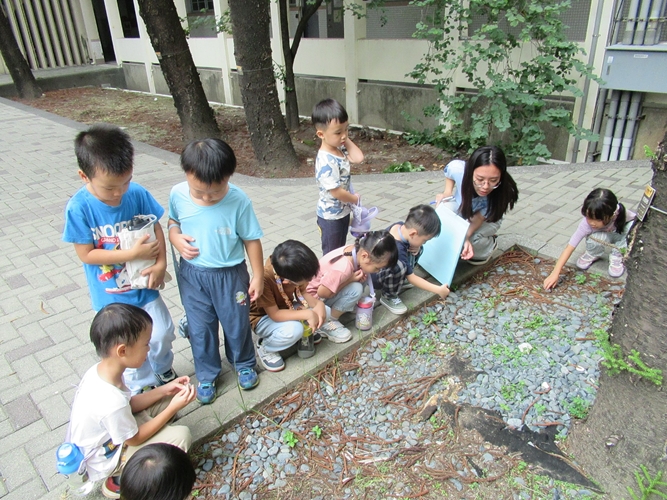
<point>160,355</point>
<point>280,335</point>
<point>346,299</point>
<point>211,296</point>
<point>333,232</point>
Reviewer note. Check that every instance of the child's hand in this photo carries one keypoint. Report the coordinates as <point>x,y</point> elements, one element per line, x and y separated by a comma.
<point>184,397</point>
<point>146,250</point>
<point>256,288</point>
<point>182,244</point>
<point>314,320</point>
<point>467,252</point>
<point>176,385</point>
<point>321,311</point>
<point>551,281</point>
<point>359,276</point>
<point>155,275</point>
<point>443,291</point>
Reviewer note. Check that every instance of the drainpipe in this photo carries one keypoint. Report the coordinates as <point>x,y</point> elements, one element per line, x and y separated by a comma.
<point>630,25</point>
<point>597,124</point>
<point>611,121</point>
<point>653,28</point>
<point>620,126</point>
<point>587,82</point>
<point>631,125</point>
<point>640,31</point>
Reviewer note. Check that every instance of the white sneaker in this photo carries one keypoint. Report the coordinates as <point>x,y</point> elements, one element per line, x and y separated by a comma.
<point>271,361</point>
<point>394,304</point>
<point>334,331</point>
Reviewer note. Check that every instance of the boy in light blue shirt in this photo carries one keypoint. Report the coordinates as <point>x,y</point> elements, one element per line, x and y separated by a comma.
<point>212,225</point>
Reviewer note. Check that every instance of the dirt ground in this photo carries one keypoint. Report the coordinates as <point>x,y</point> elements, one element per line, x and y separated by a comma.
<point>153,120</point>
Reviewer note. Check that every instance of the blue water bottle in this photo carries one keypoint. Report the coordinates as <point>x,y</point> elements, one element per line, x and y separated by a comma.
<point>68,463</point>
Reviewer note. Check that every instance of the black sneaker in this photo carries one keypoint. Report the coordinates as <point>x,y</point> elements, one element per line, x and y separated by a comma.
<point>166,377</point>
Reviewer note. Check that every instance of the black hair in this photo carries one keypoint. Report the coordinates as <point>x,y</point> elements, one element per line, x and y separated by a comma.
<point>294,261</point>
<point>601,204</point>
<point>116,324</point>
<point>425,220</point>
<point>104,147</point>
<point>500,199</point>
<point>158,471</point>
<point>326,111</point>
<point>211,161</point>
<point>378,244</point>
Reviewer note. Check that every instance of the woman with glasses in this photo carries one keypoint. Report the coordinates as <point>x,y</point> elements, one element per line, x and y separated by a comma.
<point>484,192</point>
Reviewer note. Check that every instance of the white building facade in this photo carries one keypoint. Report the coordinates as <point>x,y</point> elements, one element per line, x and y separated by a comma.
<point>363,62</point>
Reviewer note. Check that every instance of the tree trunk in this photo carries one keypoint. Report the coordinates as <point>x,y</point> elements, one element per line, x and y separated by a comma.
<point>169,42</point>
<point>252,48</point>
<point>289,53</point>
<point>627,406</point>
<point>24,80</point>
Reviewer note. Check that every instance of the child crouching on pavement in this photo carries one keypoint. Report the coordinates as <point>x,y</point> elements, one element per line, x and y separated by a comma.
<point>107,423</point>
<point>285,307</point>
<point>421,225</point>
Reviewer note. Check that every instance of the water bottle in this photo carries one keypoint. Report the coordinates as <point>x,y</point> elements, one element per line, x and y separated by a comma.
<point>68,463</point>
<point>364,317</point>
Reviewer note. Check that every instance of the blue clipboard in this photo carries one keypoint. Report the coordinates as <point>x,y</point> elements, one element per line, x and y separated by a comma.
<point>441,254</point>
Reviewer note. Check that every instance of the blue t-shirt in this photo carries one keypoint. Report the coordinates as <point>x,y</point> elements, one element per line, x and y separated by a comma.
<point>332,172</point>
<point>219,230</point>
<point>454,170</point>
<point>88,220</point>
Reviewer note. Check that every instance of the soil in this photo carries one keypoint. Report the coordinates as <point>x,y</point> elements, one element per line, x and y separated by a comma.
<point>524,464</point>
<point>153,120</point>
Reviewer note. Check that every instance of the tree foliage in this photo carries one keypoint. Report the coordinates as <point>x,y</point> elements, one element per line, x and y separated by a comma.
<point>516,54</point>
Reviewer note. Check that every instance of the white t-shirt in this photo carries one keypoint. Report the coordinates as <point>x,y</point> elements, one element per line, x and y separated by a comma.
<point>101,421</point>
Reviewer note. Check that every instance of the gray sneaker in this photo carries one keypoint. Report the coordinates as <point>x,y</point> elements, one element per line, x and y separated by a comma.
<point>271,361</point>
<point>335,331</point>
<point>394,304</point>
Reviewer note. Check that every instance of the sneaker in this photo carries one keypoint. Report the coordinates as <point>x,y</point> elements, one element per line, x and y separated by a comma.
<point>183,328</point>
<point>586,261</point>
<point>317,338</point>
<point>334,331</point>
<point>247,378</point>
<point>111,487</point>
<point>616,267</point>
<point>271,361</point>
<point>394,304</point>
<point>166,377</point>
<point>206,392</point>
<point>305,348</point>
<point>406,285</point>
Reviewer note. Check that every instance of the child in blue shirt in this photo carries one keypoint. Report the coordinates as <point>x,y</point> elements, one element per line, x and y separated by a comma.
<point>94,217</point>
<point>332,172</point>
<point>211,223</point>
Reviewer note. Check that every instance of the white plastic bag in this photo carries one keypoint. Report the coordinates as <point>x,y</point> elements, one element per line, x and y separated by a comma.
<point>139,226</point>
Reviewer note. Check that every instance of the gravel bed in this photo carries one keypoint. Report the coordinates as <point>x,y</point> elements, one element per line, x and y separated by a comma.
<point>530,355</point>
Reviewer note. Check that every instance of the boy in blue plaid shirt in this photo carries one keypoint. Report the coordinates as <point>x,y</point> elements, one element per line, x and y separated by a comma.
<point>421,224</point>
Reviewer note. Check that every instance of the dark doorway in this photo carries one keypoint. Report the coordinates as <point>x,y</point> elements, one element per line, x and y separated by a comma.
<point>104,31</point>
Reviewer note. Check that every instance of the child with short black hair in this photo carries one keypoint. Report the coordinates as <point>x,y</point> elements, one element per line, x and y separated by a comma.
<point>211,223</point>
<point>605,226</point>
<point>343,272</point>
<point>285,307</point>
<point>94,217</point>
<point>332,173</point>
<point>107,423</point>
<point>159,471</point>
<point>421,224</point>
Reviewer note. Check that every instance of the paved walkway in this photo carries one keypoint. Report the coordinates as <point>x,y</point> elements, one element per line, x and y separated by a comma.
<point>45,310</point>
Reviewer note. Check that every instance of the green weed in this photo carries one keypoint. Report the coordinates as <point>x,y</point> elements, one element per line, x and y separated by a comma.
<point>615,362</point>
<point>406,166</point>
<point>290,439</point>
<point>429,318</point>
<point>578,408</point>
<point>648,485</point>
<point>317,431</point>
<point>580,279</point>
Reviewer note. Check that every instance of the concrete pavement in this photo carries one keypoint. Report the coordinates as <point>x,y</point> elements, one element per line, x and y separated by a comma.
<point>45,310</point>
